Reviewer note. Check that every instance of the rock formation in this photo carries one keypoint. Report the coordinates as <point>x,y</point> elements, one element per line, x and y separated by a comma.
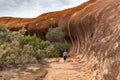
<point>93,29</point>
<point>40,24</point>
<point>95,33</point>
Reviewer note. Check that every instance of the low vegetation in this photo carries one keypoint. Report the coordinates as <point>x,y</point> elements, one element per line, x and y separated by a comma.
<point>18,49</point>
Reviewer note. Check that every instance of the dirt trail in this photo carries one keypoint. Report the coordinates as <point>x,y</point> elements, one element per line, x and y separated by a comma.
<point>54,69</point>
<point>63,70</point>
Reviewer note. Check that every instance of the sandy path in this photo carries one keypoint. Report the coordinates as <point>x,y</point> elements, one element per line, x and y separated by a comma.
<point>56,69</point>
<point>63,70</point>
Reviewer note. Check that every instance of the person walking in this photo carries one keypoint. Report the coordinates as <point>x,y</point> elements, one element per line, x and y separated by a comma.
<point>65,55</point>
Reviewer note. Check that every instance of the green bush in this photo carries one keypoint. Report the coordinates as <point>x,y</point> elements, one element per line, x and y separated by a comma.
<point>61,46</point>
<point>55,34</point>
<point>3,33</point>
<point>52,52</point>
<point>44,44</point>
<point>56,49</point>
<point>9,52</point>
<point>8,36</point>
<point>32,40</point>
<point>13,55</point>
<point>40,54</point>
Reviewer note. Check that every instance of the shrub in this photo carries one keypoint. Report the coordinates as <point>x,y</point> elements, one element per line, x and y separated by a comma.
<point>27,55</point>
<point>9,52</point>
<point>13,55</point>
<point>56,49</point>
<point>3,33</point>
<point>40,54</point>
<point>61,47</point>
<point>3,28</point>
<point>8,36</point>
<point>52,52</point>
<point>32,40</point>
<point>55,34</point>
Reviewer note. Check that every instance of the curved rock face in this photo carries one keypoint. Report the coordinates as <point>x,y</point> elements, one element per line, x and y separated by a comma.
<point>93,29</point>
<point>95,34</point>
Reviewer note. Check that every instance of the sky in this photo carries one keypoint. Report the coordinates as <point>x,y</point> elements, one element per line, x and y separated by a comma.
<point>33,8</point>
